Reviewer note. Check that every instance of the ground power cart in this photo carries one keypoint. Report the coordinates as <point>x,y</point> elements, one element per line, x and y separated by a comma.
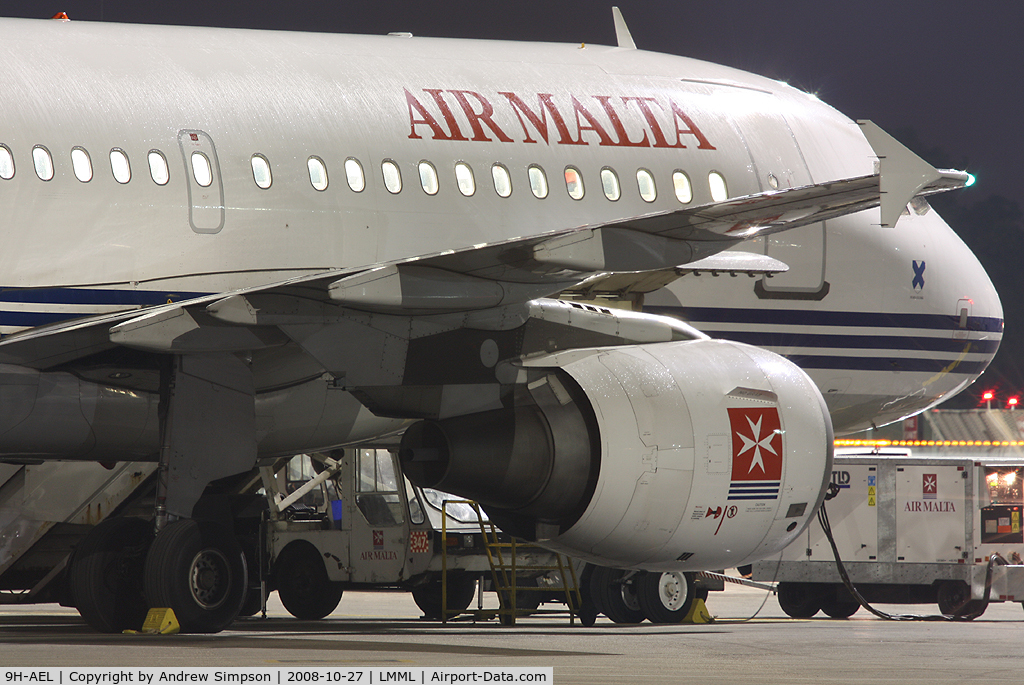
<point>910,529</point>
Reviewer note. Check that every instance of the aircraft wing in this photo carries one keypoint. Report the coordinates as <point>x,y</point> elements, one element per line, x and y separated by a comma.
<point>483,277</point>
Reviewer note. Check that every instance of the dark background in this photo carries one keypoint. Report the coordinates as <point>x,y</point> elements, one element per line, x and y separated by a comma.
<point>945,77</point>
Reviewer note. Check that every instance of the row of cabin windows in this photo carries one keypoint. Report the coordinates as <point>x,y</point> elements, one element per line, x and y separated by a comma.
<point>81,164</point>
<point>538,181</point>
<point>465,180</point>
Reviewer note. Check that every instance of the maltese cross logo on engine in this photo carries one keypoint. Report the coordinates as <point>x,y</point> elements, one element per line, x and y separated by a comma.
<point>756,453</point>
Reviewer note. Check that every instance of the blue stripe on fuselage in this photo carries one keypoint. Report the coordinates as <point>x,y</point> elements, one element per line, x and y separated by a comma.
<point>51,299</point>
<point>905,350</point>
<point>100,296</point>
<point>775,339</point>
<point>796,317</point>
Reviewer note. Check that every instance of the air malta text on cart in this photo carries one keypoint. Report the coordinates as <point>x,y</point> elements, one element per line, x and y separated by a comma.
<point>911,529</point>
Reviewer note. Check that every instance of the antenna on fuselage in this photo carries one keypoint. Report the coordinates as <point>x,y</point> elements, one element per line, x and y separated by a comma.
<point>622,35</point>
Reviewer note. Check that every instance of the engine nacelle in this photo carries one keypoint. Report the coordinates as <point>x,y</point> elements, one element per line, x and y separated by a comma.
<point>673,456</point>
<point>59,415</point>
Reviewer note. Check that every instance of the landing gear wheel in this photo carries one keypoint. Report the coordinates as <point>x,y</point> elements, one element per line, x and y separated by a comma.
<point>461,590</point>
<point>614,597</point>
<point>106,574</point>
<point>954,598</point>
<point>197,569</point>
<point>302,583</point>
<point>665,597</point>
<point>799,600</point>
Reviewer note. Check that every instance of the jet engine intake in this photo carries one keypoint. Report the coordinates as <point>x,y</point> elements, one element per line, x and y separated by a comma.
<point>681,455</point>
<point>535,459</point>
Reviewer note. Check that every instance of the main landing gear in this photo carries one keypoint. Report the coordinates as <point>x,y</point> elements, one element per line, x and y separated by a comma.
<point>121,569</point>
<point>191,564</point>
<point>632,596</point>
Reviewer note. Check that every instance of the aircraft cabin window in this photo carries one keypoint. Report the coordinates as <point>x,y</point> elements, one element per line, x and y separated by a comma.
<point>158,168</point>
<point>260,171</point>
<point>538,182</point>
<point>502,180</point>
<point>645,182</point>
<point>610,184</point>
<point>464,179</point>
<point>354,174</point>
<point>119,166</point>
<point>82,164</point>
<point>428,178</point>
<point>317,173</point>
<point>574,183</point>
<point>43,162</point>
<point>201,169</point>
<point>392,176</point>
<point>6,163</point>
<point>719,191</point>
<point>681,183</point>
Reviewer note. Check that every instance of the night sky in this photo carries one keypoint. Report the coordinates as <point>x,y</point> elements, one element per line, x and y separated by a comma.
<point>944,76</point>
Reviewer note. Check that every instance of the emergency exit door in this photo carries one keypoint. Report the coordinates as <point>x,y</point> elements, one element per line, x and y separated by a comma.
<point>205,186</point>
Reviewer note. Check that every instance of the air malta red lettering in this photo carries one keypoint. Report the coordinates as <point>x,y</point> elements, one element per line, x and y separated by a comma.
<point>928,505</point>
<point>539,117</point>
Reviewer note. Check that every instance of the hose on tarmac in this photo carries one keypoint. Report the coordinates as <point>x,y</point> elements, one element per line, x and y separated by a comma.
<point>994,560</point>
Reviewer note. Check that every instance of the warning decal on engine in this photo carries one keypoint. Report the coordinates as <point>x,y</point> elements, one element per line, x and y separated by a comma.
<point>756,453</point>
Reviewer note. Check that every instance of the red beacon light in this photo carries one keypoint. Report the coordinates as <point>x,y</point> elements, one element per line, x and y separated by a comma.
<point>988,396</point>
<point>1012,402</point>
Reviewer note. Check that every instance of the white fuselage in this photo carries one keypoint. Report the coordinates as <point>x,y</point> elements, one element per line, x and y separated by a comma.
<point>331,117</point>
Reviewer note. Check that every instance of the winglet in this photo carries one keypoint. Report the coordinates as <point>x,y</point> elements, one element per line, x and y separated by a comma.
<point>903,174</point>
<point>622,35</point>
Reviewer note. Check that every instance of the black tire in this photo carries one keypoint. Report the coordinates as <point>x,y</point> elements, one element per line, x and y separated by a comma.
<point>197,568</point>
<point>302,583</point>
<point>665,597</point>
<point>106,575</point>
<point>954,599</point>
<point>461,590</point>
<point>839,608</point>
<point>527,601</point>
<point>253,603</point>
<point>588,610</point>
<point>614,598</point>
<point>799,600</point>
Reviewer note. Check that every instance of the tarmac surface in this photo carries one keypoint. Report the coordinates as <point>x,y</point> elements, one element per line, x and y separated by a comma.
<point>384,629</point>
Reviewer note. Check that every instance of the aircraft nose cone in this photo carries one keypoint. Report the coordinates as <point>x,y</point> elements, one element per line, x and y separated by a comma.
<point>978,313</point>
